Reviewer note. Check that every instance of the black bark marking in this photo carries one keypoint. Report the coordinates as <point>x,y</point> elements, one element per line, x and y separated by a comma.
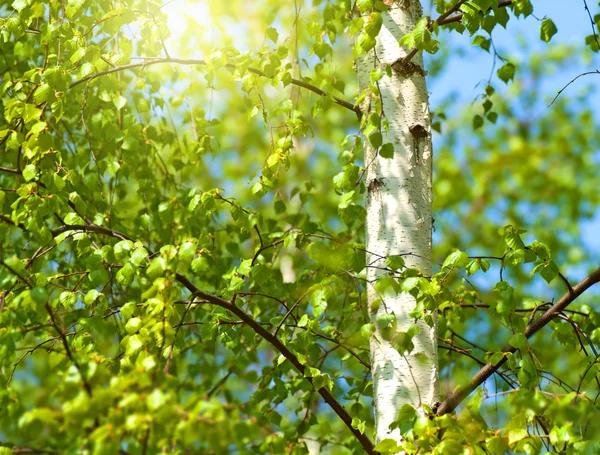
<point>407,69</point>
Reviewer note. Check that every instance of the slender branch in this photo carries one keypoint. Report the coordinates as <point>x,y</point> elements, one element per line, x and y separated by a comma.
<point>219,383</point>
<point>180,61</point>
<point>456,397</point>
<point>440,20</point>
<point>572,80</point>
<point>89,228</point>
<point>282,348</point>
<point>458,16</point>
<point>336,342</point>
<point>65,343</point>
<point>10,170</point>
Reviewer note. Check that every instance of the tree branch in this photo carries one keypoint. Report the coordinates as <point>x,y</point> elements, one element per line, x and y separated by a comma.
<point>277,344</point>
<point>447,19</point>
<point>456,397</point>
<point>253,324</point>
<point>195,62</point>
<point>444,19</point>
<point>65,343</point>
<point>10,171</point>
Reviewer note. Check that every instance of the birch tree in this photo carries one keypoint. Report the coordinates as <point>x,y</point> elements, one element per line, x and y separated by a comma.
<point>398,213</point>
<point>216,228</point>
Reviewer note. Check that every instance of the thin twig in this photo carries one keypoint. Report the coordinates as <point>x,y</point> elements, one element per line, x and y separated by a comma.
<point>196,62</point>
<point>572,80</point>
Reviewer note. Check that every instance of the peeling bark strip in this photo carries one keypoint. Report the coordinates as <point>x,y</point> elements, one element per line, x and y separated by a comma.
<point>399,220</point>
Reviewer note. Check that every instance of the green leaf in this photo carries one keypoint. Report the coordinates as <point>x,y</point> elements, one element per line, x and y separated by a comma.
<point>30,172</point>
<point>138,256</point>
<point>126,275</point>
<point>477,121</point>
<point>133,325</point>
<point>376,139</point>
<point>387,446</point>
<point>456,259</point>
<point>547,30</point>
<point>395,262</point>
<point>272,34</point>
<point>387,150</point>
<point>78,55</point>
<point>495,357</point>
<point>122,249</point>
<point>91,296</point>
<point>364,5</point>
<point>367,330</point>
<point>120,102</point>
<point>134,345</point>
<point>157,267</point>
<point>506,72</point>
<point>547,269</point>
<point>359,425</point>
<point>518,340</point>
<point>68,299</point>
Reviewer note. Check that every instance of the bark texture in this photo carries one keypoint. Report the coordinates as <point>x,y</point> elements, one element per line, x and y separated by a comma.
<point>399,218</point>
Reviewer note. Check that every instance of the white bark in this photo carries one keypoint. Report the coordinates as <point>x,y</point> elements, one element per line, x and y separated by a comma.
<point>399,218</point>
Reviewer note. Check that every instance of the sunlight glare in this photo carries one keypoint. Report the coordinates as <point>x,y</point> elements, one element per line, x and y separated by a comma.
<point>187,19</point>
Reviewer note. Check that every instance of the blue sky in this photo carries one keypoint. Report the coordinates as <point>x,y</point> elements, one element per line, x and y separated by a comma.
<point>465,70</point>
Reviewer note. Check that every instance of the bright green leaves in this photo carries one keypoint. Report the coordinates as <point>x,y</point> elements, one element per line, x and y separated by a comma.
<point>133,325</point>
<point>387,284</point>
<point>126,274</point>
<point>30,172</point>
<point>386,323</point>
<point>483,15</point>
<point>133,345</point>
<point>548,270</point>
<point>528,373</point>
<point>337,256</point>
<point>488,112</point>
<point>68,299</point>
<point>364,43</point>
<point>477,264</point>
<point>518,253</point>
<point>402,340</point>
<point>367,330</point>
<point>388,446</point>
<point>364,6</point>
<point>421,38</point>
<point>482,42</point>
<point>359,425</point>
<point>321,49</point>
<point>122,249</point>
<point>373,24</point>
<point>407,417</point>
<point>547,30</point>
<point>346,180</point>
<point>367,27</point>
<point>512,237</point>
<point>318,379</point>
<point>456,259</point>
<point>395,262</point>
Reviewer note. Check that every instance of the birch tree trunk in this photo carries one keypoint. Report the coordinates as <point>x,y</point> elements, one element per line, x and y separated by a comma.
<point>399,217</point>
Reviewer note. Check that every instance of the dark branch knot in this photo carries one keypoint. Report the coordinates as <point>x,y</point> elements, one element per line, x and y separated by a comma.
<point>407,69</point>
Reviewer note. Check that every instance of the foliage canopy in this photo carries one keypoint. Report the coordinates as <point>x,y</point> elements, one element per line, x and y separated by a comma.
<point>181,234</point>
